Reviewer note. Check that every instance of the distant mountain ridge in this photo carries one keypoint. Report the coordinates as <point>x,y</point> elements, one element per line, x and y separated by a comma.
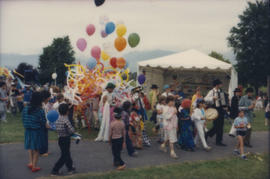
<point>12,60</point>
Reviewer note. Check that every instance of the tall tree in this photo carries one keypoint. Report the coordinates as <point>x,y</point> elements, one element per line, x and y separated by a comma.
<point>218,56</point>
<point>53,59</point>
<point>250,41</point>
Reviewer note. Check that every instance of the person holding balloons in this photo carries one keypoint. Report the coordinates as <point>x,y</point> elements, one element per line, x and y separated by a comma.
<point>34,120</point>
<point>64,130</point>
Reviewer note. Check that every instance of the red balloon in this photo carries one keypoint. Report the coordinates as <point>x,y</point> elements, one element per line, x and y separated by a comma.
<point>113,62</point>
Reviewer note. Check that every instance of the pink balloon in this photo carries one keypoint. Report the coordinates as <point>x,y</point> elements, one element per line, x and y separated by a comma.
<point>90,29</point>
<point>81,44</point>
<point>103,34</point>
<point>95,52</point>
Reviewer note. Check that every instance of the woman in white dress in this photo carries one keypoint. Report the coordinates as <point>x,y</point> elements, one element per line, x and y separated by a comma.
<point>105,105</point>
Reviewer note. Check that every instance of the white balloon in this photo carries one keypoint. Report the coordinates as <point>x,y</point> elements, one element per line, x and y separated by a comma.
<point>103,19</point>
<point>54,76</point>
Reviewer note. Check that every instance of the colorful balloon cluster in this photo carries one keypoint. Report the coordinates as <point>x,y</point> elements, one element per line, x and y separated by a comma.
<point>5,72</point>
<point>85,82</point>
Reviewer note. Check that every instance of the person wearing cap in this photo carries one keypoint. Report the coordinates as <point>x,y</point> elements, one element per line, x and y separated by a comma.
<point>234,109</point>
<point>117,139</point>
<point>198,116</point>
<point>246,103</point>
<point>106,105</point>
<point>213,98</point>
<point>167,91</point>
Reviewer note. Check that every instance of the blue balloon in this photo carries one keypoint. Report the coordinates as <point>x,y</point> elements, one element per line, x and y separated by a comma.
<point>92,63</point>
<point>52,116</point>
<point>126,66</point>
<point>66,73</point>
<point>109,27</point>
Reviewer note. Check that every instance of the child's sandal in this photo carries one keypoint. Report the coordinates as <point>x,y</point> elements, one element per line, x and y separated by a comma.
<point>30,166</point>
<point>36,169</point>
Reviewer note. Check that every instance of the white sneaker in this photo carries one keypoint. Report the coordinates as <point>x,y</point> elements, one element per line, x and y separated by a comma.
<point>163,148</point>
<point>207,149</point>
<point>173,155</point>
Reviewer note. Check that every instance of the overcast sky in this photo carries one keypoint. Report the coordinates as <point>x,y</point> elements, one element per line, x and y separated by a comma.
<point>177,25</point>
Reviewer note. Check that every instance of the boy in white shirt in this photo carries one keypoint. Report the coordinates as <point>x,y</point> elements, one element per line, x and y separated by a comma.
<point>198,116</point>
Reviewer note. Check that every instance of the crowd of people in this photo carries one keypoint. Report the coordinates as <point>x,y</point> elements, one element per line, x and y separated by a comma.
<point>178,121</point>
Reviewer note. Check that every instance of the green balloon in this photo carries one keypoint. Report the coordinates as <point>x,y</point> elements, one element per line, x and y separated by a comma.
<point>133,40</point>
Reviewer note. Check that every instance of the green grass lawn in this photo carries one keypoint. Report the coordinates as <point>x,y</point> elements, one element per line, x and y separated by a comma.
<point>234,168</point>
<point>13,130</point>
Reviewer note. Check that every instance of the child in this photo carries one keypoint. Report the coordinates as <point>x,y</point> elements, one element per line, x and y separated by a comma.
<point>135,128</point>
<point>198,117</point>
<point>170,126</point>
<point>117,138</point>
<point>186,127</point>
<point>126,119</point>
<point>240,123</point>
<point>64,130</point>
<point>94,105</point>
<point>160,108</point>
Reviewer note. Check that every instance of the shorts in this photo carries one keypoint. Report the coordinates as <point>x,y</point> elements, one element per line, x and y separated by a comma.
<point>241,133</point>
<point>170,135</point>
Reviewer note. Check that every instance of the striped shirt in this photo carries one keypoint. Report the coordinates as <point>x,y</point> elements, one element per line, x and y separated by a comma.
<point>35,120</point>
<point>64,127</point>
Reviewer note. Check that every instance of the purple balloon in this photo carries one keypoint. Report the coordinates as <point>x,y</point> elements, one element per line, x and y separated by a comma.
<point>103,34</point>
<point>141,79</point>
<point>81,44</point>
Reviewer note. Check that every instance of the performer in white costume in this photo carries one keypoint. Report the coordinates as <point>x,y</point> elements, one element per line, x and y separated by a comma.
<point>105,105</point>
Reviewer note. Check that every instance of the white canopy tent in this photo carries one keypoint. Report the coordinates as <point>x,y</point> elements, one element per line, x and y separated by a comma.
<point>190,64</point>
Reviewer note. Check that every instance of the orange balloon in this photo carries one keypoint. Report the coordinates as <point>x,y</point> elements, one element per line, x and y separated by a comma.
<point>121,62</point>
<point>120,43</point>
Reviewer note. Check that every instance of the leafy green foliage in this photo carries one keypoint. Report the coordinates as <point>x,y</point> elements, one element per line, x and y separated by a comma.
<point>13,130</point>
<point>53,59</point>
<point>218,56</point>
<point>250,41</point>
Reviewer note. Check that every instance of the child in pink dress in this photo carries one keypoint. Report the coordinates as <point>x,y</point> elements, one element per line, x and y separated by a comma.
<point>170,126</point>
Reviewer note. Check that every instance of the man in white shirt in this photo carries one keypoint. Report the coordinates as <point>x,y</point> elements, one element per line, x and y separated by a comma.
<point>213,98</point>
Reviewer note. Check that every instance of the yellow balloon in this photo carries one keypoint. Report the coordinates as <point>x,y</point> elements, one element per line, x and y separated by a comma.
<point>104,56</point>
<point>121,30</point>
